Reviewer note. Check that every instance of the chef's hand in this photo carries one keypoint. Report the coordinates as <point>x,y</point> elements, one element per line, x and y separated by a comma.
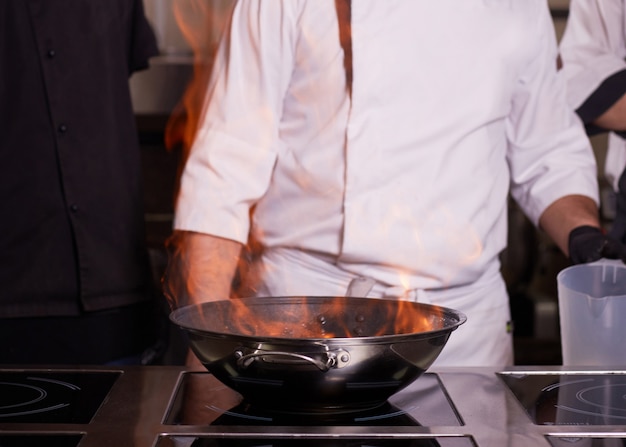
<point>589,244</point>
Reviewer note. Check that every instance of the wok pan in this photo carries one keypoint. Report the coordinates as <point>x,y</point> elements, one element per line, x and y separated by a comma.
<point>316,354</point>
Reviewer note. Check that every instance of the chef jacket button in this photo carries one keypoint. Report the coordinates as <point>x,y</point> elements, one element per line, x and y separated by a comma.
<point>74,207</point>
<point>62,128</point>
<point>51,54</point>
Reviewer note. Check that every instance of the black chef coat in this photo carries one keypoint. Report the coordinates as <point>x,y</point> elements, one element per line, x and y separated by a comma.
<point>71,217</point>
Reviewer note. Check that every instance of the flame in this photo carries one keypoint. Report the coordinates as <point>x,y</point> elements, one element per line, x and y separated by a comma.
<point>201,23</point>
<point>318,317</point>
<point>300,320</point>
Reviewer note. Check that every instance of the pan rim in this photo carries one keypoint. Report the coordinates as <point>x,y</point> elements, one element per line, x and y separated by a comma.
<point>455,317</point>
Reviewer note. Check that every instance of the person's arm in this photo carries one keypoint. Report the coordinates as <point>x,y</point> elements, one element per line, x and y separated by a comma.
<point>565,214</point>
<point>200,268</point>
<point>573,224</point>
<point>592,52</point>
<point>592,47</point>
<point>615,117</point>
<point>605,108</point>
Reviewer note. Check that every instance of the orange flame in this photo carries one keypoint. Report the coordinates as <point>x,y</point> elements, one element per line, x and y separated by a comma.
<point>194,18</point>
<point>293,321</point>
<point>320,318</point>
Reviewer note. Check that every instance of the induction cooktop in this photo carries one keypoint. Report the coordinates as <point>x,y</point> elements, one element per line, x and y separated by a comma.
<point>52,397</point>
<point>577,399</point>
<point>173,406</point>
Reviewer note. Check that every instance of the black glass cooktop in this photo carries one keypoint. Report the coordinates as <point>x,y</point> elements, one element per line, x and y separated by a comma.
<point>60,397</point>
<point>571,399</point>
<point>39,440</point>
<point>201,399</point>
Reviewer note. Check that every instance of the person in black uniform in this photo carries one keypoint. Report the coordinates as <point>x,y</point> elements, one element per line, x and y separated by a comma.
<point>75,278</point>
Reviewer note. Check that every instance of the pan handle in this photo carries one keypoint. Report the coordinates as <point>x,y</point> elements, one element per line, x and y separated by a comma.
<point>334,359</point>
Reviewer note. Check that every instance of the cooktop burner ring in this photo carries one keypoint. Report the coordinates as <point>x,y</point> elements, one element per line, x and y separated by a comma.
<point>571,399</point>
<point>580,395</point>
<point>593,395</point>
<point>41,395</point>
<point>221,405</point>
<point>27,402</point>
<point>244,411</point>
<point>53,397</point>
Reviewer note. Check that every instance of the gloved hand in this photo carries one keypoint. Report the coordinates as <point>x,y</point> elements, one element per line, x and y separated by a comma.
<point>618,227</point>
<point>588,244</point>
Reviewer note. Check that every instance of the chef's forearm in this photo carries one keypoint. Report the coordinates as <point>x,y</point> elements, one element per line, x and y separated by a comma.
<point>565,214</point>
<point>615,117</point>
<point>201,268</point>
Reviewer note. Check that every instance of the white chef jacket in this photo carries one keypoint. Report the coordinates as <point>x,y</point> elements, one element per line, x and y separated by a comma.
<point>406,181</point>
<point>593,48</point>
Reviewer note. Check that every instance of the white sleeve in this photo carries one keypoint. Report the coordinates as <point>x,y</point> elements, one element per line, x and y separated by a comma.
<point>549,153</point>
<point>593,46</point>
<point>234,151</point>
<point>592,49</point>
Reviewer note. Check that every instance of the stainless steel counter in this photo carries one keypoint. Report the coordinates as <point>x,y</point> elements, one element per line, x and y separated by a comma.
<point>161,407</point>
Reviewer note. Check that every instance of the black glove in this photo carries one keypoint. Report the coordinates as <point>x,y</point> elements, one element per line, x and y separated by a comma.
<point>618,227</point>
<point>588,244</point>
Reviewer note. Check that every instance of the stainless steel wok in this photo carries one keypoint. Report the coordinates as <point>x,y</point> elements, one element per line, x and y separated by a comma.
<point>316,354</point>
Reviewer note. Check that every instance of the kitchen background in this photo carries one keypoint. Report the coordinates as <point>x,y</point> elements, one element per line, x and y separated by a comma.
<point>530,264</point>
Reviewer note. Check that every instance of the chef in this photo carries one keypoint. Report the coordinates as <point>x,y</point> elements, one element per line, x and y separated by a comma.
<point>374,147</point>
<point>592,51</point>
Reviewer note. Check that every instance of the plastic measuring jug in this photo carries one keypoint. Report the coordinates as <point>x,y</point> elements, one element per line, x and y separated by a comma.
<point>592,314</point>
